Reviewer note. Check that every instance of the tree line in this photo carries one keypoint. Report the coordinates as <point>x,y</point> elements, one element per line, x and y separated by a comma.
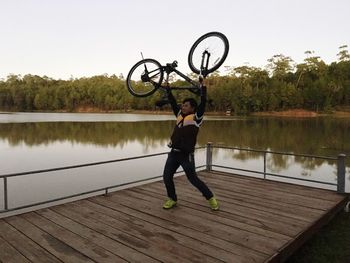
<point>281,85</point>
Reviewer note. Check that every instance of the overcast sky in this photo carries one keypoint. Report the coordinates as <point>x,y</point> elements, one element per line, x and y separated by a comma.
<point>65,38</point>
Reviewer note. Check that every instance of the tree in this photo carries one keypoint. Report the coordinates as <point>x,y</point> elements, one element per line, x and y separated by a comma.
<point>343,54</point>
<point>280,65</point>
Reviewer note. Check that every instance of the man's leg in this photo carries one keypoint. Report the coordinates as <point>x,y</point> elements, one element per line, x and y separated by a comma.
<point>187,163</point>
<point>170,168</point>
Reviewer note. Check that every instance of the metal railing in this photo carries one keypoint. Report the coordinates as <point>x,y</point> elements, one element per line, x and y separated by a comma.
<point>341,166</point>
<point>102,189</point>
<point>341,170</point>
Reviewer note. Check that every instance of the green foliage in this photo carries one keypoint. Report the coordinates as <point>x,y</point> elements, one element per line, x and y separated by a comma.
<point>311,85</point>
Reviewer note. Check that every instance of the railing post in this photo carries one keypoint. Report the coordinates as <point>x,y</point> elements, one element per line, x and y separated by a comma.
<point>5,194</point>
<point>341,173</point>
<point>209,156</point>
<point>264,165</point>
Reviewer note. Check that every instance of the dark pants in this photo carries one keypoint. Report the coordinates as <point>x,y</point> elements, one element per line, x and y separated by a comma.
<point>175,159</point>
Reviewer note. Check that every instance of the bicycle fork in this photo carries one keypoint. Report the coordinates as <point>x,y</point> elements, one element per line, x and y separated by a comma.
<point>204,63</point>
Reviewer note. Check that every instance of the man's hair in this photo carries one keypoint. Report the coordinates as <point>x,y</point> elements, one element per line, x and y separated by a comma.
<point>192,102</point>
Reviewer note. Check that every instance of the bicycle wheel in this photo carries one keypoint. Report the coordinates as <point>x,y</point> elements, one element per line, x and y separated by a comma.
<point>208,53</point>
<point>144,77</point>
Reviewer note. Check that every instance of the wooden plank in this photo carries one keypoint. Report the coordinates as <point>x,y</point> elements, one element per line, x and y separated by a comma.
<point>280,224</point>
<point>220,219</point>
<point>243,253</point>
<point>289,187</point>
<point>199,204</point>
<point>297,224</point>
<point>57,248</point>
<point>311,201</point>
<point>83,245</point>
<point>318,193</point>
<point>244,198</point>
<point>275,207</point>
<point>99,236</point>
<point>201,223</point>
<point>113,217</point>
<point>158,239</point>
<point>9,254</point>
<point>135,236</point>
<point>307,201</point>
<point>24,244</point>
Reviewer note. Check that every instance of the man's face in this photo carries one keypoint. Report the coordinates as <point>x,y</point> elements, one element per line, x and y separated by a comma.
<point>186,108</point>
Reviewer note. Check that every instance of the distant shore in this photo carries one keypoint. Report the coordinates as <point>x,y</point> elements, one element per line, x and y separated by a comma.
<point>296,113</point>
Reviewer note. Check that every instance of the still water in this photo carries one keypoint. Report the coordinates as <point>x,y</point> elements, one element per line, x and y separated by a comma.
<point>30,141</point>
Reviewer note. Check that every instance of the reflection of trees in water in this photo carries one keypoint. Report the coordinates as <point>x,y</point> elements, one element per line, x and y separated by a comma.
<point>237,154</point>
<point>98,133</point>
<point>318,136</point>
<point>312,136</point>
<point>277,162</point>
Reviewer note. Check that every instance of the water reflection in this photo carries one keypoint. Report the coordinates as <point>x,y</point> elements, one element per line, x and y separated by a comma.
<point>318,136</point>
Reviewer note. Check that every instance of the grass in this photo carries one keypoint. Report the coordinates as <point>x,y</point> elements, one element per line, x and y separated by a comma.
<point>330,245</point>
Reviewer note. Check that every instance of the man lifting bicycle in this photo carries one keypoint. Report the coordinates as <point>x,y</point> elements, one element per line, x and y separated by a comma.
<point>182,144</point>
<point>206,55</point>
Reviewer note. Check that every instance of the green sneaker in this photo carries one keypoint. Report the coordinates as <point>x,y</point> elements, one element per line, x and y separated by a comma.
<point>169,203</point>
<point>214,205</point>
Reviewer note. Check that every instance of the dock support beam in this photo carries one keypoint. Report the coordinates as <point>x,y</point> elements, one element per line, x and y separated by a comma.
<point>209,156</point>
<point>5,194</point>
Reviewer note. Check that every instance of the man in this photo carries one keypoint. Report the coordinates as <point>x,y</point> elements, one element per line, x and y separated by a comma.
<point>183,141</point>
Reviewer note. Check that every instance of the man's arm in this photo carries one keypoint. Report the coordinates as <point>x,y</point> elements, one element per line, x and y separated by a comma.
<point>201,107</point>
<point>173,103</point>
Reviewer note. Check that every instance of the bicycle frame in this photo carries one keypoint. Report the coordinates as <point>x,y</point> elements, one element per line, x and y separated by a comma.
<point>169,68</point>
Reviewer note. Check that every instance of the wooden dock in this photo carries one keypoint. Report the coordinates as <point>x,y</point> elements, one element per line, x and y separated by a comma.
<point>258,221</point>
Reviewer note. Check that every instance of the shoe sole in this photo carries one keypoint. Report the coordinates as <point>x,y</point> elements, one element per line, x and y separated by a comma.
<point>167,208</point>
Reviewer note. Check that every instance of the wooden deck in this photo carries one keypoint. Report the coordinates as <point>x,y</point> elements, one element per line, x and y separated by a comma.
<point>258,221</point>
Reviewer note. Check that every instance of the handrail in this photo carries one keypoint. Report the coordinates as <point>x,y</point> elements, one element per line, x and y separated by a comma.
<point>275,152</point>
<point>86,164</point>
<point>276,175</point>
<point>340,165</point>
<point>5,176</point>
<point>102,189</point>
<point>80,165</point>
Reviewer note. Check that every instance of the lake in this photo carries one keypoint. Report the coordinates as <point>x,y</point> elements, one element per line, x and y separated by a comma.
<point>31,141</point>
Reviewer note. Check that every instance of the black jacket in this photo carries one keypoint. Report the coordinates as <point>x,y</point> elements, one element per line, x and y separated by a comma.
<point>184,136</point>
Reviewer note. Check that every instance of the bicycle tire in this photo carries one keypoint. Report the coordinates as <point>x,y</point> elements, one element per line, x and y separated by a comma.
<point>195,66</point>
<point>136,81</point>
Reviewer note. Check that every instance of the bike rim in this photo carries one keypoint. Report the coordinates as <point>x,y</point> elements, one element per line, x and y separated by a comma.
<point>145,77</point>
<point>216,45</point>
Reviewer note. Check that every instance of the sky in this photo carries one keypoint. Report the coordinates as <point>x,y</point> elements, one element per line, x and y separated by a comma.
<point>62,39</point>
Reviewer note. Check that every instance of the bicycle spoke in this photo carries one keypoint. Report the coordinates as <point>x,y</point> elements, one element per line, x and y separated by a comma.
<point>154,83</point>
<point>216,61</point>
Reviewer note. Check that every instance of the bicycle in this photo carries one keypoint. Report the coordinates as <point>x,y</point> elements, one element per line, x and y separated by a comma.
<point>206,55</point>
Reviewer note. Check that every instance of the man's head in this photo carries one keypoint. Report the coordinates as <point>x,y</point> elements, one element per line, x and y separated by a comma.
<point>189,106</point>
